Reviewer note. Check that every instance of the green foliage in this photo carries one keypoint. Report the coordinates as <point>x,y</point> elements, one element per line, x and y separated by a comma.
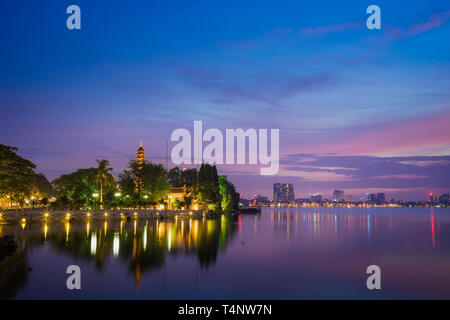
<point>179,178</point>
<point>230,198</point>
<point>208,187</point>
<point>77,187</point>
<point>42,186</point>
<point>16,174</point>
<point>153,183</point>
<point>103,177</point>
<point>177,204</point>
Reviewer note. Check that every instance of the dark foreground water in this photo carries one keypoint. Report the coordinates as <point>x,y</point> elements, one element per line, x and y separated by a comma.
<point>280,254</point>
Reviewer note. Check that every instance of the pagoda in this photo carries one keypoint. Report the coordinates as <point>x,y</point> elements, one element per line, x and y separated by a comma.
<point>140,158</point>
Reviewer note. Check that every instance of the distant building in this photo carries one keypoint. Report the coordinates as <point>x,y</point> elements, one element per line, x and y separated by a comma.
<point>433,198</point>
<point>348,199</point>
<point>444,199</point>
<point>283,193</point>
<point>244,202</point>
<point>316,197</point>
<point>261,200</point>
<point>338,195</point>
<point>381,198</point>
<point>371,198</point>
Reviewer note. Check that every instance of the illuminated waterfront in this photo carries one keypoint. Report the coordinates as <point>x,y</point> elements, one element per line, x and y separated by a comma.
<point>282,253</point>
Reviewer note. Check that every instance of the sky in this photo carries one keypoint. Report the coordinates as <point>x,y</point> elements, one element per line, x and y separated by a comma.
<point>359,110</point>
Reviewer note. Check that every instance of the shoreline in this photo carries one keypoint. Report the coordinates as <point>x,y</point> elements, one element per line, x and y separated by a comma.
<point>36,215</point>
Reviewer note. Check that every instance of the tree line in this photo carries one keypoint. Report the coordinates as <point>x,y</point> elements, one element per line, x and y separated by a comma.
<point>143,185</point>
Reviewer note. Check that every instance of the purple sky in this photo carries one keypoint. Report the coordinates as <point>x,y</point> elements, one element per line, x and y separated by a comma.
<point>358,110</point>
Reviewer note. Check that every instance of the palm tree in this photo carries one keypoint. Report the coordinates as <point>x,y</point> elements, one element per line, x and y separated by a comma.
<point>103,177</point>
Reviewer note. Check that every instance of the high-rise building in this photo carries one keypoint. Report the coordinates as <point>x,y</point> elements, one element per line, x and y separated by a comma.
<point>338,195</point>
<point>371,197</point>
<point>381,198</point>
<point>444,199</point>
<point>433,198</point>
<point>283,193</point>
<point>316,197</point>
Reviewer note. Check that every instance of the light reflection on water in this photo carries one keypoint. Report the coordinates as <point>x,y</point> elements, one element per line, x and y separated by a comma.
<point>282,253</point>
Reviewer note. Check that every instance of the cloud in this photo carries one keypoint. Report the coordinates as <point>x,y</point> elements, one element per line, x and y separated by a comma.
<point>402,176</point>
<point>425,163</point>
<point>433,22</point>
<point>431,134</point>
<point>269,89</point>
<point>332,28</point>
<point>398,175</point>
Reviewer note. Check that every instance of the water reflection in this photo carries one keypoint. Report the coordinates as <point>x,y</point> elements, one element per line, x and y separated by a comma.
<point>140,245</point>
<point>281,253</point>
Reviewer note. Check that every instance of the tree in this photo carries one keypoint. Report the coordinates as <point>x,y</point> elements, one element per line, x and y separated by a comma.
<point>208,187</point>
<point>77,187</point>
<point>153,184</point>
<point>42,186</point>
<point>175,177</point>
<point>230,198</point>
<point>16,174</point>
<point>103,177</point>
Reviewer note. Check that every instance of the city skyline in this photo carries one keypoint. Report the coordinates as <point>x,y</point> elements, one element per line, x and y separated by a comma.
<point>359,110</point>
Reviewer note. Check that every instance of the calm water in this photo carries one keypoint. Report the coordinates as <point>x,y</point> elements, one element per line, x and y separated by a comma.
<point>280,254</point>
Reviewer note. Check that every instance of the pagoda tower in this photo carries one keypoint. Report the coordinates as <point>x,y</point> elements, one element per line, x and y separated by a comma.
<point>140,158</point>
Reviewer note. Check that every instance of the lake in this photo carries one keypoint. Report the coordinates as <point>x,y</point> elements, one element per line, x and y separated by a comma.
<point>285,253</point>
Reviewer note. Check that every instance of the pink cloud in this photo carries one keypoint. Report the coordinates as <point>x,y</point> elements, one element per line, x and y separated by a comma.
<point>395,136</point>
<point>331,28</point>
<point>433,22</point>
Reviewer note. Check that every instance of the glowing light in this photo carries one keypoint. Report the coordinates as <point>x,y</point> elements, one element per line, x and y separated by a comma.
<point>117,194</point>
<point>145,197</point>
<point>67,231</point>
<point>106,214</point>
<point>94,243</point>
<point>116,243</point>
<point>144,239</point>
<point>88,214</point>
<point>169,239</point>
<point>196,207</point>
<point>95,195</point>
<point>432,230</point>
<point>23,220</point>
<point>45,231</point>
